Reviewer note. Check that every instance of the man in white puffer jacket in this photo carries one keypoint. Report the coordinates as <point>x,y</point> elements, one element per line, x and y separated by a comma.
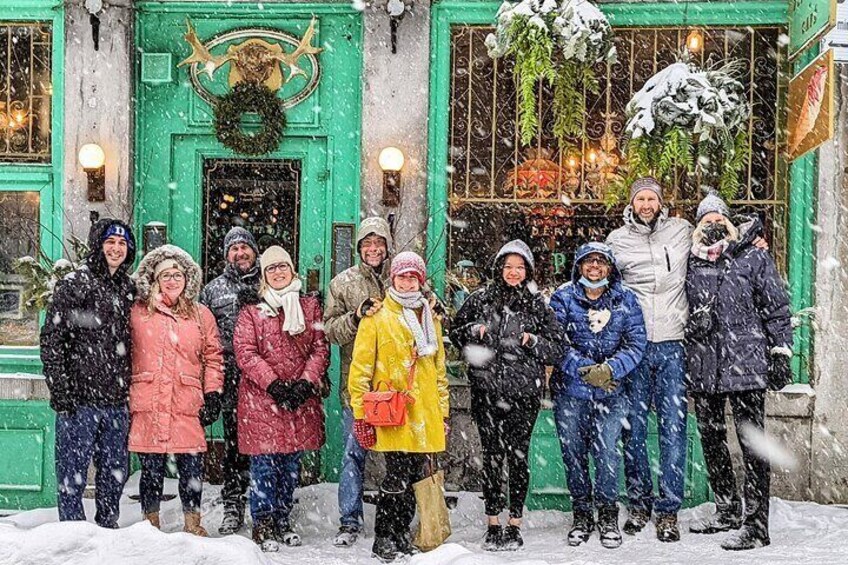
<point>652,251</point>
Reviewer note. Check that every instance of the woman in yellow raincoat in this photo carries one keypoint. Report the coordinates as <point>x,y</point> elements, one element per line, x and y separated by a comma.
<point>401,342</point>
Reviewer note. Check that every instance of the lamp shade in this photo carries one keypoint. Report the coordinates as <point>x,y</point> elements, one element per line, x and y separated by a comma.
<point>91,156</point>
<point>391,159</point>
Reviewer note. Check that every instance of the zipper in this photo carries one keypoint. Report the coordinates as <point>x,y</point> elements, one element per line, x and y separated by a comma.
<point>667,259</point>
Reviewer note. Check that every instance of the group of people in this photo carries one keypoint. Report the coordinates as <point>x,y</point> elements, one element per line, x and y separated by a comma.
<point>659,311</point>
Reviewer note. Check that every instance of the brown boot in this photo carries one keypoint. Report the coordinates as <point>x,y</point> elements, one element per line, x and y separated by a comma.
<point>153,518</point>
<point>192,525</point>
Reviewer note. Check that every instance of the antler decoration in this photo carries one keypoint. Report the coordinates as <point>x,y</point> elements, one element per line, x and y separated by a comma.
<point>303,48</point>
<point>199,53</point>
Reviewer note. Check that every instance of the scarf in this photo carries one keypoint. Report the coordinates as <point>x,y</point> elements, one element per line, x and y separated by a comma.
<point>709,253</point>
<point>289,300</point>
<point>424,332</point>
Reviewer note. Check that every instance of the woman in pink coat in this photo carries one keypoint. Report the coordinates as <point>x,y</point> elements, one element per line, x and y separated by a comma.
<point>282,353</point>
<point>177,379</point>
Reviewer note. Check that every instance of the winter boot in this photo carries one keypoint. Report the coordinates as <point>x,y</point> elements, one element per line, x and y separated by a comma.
<point>403,542</point>
<point>667,529</point>
<point>347,536</point>
<point>726,517</point>
<point>636,521</point>
<point>385,549</point>
<point>192,525</point>
<point>153,518</point>
<point>494,538</point>
<point>286,536</point>
<point>511,540</point>
<point>608,526</point>
<point>581,527</point>
<point>264,535</point>
<point>233,519</point>
<point>746,538</point>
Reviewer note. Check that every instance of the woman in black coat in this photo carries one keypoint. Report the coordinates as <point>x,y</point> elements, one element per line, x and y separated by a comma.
<point>508,335</point>
<point>739,344</point>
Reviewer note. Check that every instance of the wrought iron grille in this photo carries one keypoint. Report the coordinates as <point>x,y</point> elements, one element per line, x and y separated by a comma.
<point>487,208</point>
<point>26,91</point>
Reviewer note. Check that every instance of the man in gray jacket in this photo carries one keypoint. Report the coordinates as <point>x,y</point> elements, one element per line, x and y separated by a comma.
<point>652,251</point>
<point>221,296</point>
<point>354,294</point>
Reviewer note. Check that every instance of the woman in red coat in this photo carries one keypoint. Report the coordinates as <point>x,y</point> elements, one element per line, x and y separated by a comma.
<point>282,353</point>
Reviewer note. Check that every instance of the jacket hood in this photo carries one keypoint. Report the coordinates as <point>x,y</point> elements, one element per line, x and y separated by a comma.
<point>631,220</point>
<point>614,276</point>
<point>144,274</point>
<point>514,247</point>
<point>377,226</point>
<point>96,259</point>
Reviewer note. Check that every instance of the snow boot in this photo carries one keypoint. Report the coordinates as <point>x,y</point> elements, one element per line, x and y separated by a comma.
<point>385,549</point>
<point>726,517</point>
<point>192,524</point>
<point>494,538</point>
<point>511,540</point>
<point>636,520</point>
<point>347,536</point>
<point>746,538</point>
<point>264,536</point>
<point>403,542</point>
<point>286,536</point>
<point>667,529</point>
<point>581,527</point>
<point>608,526</point>
<point>233,520</point>
<point>153,518</point>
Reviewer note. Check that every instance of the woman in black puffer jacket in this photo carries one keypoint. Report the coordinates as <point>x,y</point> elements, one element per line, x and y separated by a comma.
<point>508,335</point>
<point>739,344</point>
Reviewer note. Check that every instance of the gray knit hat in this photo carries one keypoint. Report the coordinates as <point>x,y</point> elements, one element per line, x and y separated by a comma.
<point>239,235</point>
<point>645,183</point>
<point>712,202</point>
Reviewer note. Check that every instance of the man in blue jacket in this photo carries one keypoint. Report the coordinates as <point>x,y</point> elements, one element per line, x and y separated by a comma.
<point>606,331</point>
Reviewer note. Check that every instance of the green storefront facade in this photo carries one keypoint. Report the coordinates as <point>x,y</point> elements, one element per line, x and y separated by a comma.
<point>180,173</point>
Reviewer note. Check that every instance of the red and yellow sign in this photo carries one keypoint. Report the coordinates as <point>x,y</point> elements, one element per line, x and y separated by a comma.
<point>811,108</point>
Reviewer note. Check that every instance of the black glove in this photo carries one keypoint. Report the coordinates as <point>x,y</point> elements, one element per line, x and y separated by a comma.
<point>63,404</point>
<point>280,391</point>
<point>211,408</point>
<point>299,392</point>
<point>700,324</point>
<point>364,307</point>
<point>780,371</point>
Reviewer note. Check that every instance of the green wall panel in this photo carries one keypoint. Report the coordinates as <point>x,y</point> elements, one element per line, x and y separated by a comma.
<point>27,471</point>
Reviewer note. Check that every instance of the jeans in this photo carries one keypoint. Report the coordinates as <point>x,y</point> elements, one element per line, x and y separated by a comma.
<point>748,414</point>
<point>352,475</point>
<point>505,428</point>
<point>273,479</point>
<point>590,427</point>
<point>98,433</point>
<point>190,471</point>
<point>396,505</point>
<point>236,467</point>
<point>658,381</point>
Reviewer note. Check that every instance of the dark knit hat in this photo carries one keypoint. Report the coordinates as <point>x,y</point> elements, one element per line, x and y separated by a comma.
<point>645,183</point>
<point>712,202</point>
<point>117,229</point>
<point>239,235</point>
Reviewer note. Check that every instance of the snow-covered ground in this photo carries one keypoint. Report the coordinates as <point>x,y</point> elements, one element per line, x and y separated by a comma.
<point>802,533</point>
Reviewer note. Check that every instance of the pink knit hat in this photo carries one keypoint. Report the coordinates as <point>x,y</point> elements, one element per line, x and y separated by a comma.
<point>409,262</point>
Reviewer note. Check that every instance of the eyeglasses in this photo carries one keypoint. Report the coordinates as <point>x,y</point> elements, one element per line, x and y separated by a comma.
<point>600,261</point>
<point>281,267</point>
<point>171,277</point>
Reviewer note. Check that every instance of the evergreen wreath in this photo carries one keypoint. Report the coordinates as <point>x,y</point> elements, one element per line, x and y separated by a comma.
<point>250,97</point>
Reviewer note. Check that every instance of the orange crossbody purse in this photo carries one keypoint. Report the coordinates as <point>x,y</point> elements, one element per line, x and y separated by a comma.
<point>388,407</point>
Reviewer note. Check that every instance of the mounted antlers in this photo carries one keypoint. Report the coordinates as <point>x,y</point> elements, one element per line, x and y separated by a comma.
<point>303,48</point>
<point>199,53</point>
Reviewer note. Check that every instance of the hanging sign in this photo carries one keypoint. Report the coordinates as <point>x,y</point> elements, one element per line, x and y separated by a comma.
<point>837,39</point>
<point>809,20</point>
<point>811,107</point>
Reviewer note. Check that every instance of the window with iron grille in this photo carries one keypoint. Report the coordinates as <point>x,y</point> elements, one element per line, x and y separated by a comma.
<point>26,91</point>
<point>554,197</point>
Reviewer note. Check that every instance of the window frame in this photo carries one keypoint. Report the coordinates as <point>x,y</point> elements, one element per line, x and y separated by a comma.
<point>44,178</point>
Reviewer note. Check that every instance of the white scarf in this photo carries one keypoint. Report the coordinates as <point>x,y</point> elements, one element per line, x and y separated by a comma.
<point>424,332</point>
<point>289,300</point>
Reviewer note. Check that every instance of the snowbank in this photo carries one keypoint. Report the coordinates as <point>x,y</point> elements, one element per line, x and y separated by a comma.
<point>802,533</point>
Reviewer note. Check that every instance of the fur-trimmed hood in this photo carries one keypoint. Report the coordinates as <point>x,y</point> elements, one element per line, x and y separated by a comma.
<point>144,274</point>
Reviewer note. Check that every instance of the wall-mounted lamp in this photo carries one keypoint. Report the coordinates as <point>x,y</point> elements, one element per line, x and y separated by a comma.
<point>391,161</point>
<point>93,160</point>
<point>695,41</point>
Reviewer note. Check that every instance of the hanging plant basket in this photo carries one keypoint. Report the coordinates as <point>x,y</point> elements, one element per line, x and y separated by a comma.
<point>250,97</point>
<point>687,119</point>
<point>556,43</point>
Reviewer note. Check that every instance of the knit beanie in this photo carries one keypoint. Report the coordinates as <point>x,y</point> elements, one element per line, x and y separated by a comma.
<point>239,235</point>
<point>118,230</point>
<point>164,265</point>
<point>275,255</point>
<point>409,262</point>
<point>645,183</point>
<point>712,202</point>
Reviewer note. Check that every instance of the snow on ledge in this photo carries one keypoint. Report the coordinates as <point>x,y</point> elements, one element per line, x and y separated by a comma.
<point>798,388</point>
